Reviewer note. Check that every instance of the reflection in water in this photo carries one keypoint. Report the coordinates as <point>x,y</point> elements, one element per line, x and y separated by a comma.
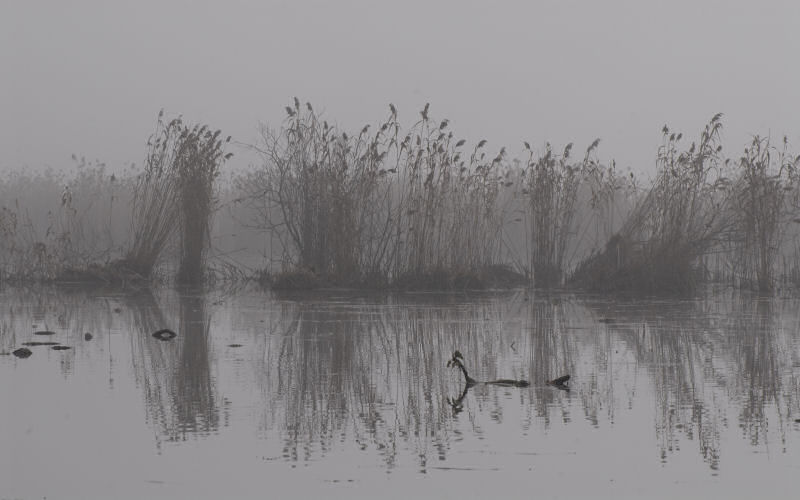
<point>378,372</point>
<point>195,402</point>
<point>767,355</point>
<point>706,357</point>
<point>339,372</point>
<point>175,375</point>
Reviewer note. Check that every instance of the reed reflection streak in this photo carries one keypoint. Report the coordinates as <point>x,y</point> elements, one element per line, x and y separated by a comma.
<point>370,373</point>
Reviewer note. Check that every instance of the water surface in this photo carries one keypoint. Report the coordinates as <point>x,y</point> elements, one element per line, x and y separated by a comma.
<point>346,395</point>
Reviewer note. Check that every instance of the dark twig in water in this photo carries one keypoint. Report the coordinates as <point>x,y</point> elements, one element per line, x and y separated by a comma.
<point>458,361</point>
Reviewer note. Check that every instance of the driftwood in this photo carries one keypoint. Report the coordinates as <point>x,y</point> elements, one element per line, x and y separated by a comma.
<point>458,361</point>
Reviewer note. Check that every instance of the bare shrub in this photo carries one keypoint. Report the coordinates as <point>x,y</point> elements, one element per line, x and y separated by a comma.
<point>372,208</point>
<point>324,195</point>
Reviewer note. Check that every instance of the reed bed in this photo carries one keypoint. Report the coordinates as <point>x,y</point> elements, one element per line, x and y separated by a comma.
<point>408,207</point>
<point>701,208</point>
<point>412,208</point>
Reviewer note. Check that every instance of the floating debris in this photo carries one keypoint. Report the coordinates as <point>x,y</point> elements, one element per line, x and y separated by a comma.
<point>561,383</point>
<point>22,352</point>
<point>44,332</point>
<point>60,347</point>
<point>165,334</point>
<point>560,380</point>
<point>87,336</point>
<point>35,342</point>
<point>605,320</point>
<point>458,361</point>
<point>234,345</point>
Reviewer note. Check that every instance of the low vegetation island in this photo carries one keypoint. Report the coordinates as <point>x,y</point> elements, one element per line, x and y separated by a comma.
<point>394,207</point>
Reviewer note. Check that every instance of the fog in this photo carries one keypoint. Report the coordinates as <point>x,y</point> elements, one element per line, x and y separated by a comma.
<point>185,316</point>
<point>89,77</point>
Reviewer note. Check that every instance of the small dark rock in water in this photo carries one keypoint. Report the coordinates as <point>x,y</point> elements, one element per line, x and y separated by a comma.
<point>34,343</point>
<point>234,345</point>
<point>22,352</point>
<point>44,332</point>
<point>87,336</point>
<point>165,334</point>
<point>60,347</point>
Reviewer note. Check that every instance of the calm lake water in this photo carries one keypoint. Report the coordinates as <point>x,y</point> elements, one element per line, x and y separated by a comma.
<point>343,395</point>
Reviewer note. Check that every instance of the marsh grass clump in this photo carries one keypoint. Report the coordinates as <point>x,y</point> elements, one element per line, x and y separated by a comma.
<point>683,217</point>
<point>377,208</point>
<point>177,185</point>
<point>199,156</point>
<point>767,204</point>
<point>450,218</point>
<point>323,194</point>
<point>417,207</point>
<point>156,198</point>
<point>552,190</point>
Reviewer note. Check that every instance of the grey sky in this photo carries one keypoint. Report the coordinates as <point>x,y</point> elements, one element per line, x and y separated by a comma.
<point>90,77</point>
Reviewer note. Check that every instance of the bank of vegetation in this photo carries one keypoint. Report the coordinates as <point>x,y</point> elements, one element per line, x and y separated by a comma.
<point>408,207</point>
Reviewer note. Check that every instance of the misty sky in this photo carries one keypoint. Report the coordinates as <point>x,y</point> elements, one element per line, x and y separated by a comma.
<point>90,77</point>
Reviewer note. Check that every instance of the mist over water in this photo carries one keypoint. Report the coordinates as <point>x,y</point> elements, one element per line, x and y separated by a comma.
<point>180,159</point>
<point>348,395</point>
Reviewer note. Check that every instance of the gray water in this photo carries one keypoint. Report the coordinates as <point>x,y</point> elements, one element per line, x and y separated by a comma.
<point>344,395</point>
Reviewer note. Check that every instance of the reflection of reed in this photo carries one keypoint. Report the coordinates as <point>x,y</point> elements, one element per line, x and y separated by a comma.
<point>372,371</point>
<point>376,372</point>
<point>174,376</point>
<point>551,351</point>
<point>670,340</point>
<point>194,401</point>
<point>761,348</point>
<point>680,391</point>
<point>333,365</point>
<point>708,355</point>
